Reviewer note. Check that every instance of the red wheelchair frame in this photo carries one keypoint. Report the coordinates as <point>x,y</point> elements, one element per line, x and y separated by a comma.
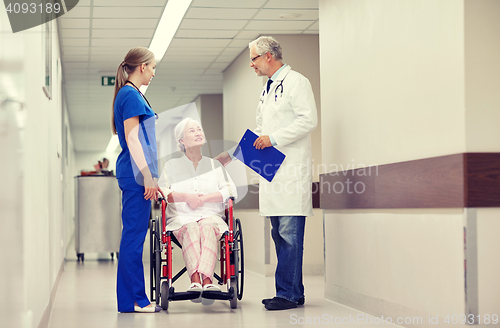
<point>231,262</point>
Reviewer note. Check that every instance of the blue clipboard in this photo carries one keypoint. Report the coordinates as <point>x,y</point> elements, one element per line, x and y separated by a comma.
<point>264,162</point>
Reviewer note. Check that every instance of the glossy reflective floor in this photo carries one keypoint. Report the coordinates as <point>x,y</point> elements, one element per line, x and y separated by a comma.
<point>86,298</point>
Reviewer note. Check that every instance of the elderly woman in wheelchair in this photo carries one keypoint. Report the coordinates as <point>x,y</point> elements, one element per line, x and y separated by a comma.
<point>200,187</point>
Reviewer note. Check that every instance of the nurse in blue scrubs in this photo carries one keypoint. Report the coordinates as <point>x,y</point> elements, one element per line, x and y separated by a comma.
<point>133,121</point>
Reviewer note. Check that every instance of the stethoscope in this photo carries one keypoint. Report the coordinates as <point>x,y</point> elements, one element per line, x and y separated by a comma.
<point>143,96</point>
<point>275,91</point>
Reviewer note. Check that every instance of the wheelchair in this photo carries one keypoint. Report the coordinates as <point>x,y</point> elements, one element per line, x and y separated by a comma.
<point>231,262</point>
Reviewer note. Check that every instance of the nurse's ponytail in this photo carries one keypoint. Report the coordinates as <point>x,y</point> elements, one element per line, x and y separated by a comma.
<point>134,58</point>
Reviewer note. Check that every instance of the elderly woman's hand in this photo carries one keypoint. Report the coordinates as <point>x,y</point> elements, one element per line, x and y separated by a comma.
<point>194,200</point>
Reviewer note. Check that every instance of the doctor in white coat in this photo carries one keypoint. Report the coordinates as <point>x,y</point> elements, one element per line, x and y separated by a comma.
<point>286,116</point>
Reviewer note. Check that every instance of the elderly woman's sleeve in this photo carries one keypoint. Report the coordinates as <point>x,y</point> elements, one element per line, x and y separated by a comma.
<point>227,188</point>
<point>164,182</point>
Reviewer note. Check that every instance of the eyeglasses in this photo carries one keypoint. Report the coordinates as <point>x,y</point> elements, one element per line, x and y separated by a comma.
<point>254,58</point>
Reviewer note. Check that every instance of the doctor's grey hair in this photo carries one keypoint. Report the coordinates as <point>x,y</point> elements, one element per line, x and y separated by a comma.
<point>265,44</point>
<point>179,132</point>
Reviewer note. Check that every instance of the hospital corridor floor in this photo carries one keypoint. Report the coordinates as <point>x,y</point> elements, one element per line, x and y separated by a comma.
<point>86,298</point>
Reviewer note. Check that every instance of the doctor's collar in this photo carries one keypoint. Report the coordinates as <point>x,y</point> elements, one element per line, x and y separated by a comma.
<point>277,73</point>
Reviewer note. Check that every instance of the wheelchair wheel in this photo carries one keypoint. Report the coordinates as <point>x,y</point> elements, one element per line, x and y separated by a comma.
<point>234,301</point>
<point>239,266</point>
<point>164,295</point>
<point>157,250</point>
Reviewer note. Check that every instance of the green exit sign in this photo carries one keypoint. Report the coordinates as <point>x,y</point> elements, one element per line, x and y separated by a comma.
<point>108,80</point>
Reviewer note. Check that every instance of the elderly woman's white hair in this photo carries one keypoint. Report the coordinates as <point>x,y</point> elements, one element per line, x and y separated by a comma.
<point>179,132</point>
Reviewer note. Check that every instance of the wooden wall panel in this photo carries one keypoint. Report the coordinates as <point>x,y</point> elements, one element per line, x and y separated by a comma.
<point>483,180</point>
<point>427,183</point>
<point>452,181</point>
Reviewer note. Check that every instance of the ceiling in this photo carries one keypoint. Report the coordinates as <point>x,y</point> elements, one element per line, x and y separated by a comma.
<point>96,35</point>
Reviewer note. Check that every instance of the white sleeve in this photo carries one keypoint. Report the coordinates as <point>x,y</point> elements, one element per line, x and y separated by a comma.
<point>164,181</point>
<point>227,188</point>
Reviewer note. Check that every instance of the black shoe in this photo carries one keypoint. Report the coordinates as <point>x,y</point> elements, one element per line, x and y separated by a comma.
<point>279,303</point>
<point>301,301</point>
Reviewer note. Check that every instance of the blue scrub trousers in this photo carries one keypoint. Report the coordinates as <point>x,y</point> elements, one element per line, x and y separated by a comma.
<point>130,286</point>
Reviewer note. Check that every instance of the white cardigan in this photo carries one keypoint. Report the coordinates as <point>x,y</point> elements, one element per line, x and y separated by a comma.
<point>210,176</point>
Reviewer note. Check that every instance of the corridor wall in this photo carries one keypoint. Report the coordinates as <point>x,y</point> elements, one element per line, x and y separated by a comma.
<point>401,81</point>
<point>40,187</point>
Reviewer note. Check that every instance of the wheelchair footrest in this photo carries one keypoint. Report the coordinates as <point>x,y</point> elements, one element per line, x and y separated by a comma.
<point>183,296</point>
<point>219,295</point>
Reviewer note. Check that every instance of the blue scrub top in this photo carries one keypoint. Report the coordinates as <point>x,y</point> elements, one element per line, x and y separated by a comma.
<point>130,103</point>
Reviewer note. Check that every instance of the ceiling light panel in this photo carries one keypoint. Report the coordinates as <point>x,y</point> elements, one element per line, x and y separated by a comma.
<point>109,50</point>
<point>200,43</point>
<point>76,58</point>
<point>248,35</point>
<point>240,43</point>
<point>233,52</point>
<point>187,52</point>
<point>119,42</point>
<point>75,50</point>
<point>204,24</point>
<point>129,3</point>
<point>74,23</point>
<point>220,13</point>
<point>100,68</point>
<point>209,34</point>
<point>122,33</point>
<point>127,12</point>
<point>195,58</point>
<point>75,70</point>
<point>278,25</point>
<point>274,14</point>
<point>75,33</point>
<point>292,4</point>
<point>226,4</point>
<point>77,77</point>
<point>281,32</point>
<point>78,12</point>
<point>73,53</point>
<point>124,24</point>
<point>172,64</point>
<point>110,58</point>
<point>74,42</point>
<point>213,70</point>
<point>218,65</point>
<point>224,59</point>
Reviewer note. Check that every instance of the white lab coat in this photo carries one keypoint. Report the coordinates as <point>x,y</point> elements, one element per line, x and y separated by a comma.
<point>288,113</point>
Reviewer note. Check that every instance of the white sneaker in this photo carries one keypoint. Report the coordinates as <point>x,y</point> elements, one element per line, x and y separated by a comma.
<point>209,288</point>
<point>147,309</point>
<point>195,287</point>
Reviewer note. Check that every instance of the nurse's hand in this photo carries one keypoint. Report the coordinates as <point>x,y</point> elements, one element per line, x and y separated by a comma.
<point>262,142</point>
<point>223,158</point>
<point>151,188</point>
<point>194,200</point>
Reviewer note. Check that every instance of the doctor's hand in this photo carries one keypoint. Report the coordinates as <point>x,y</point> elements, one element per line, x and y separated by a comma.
<point>223,158</point>
<point>262,142</point>
<point>194,200</point>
